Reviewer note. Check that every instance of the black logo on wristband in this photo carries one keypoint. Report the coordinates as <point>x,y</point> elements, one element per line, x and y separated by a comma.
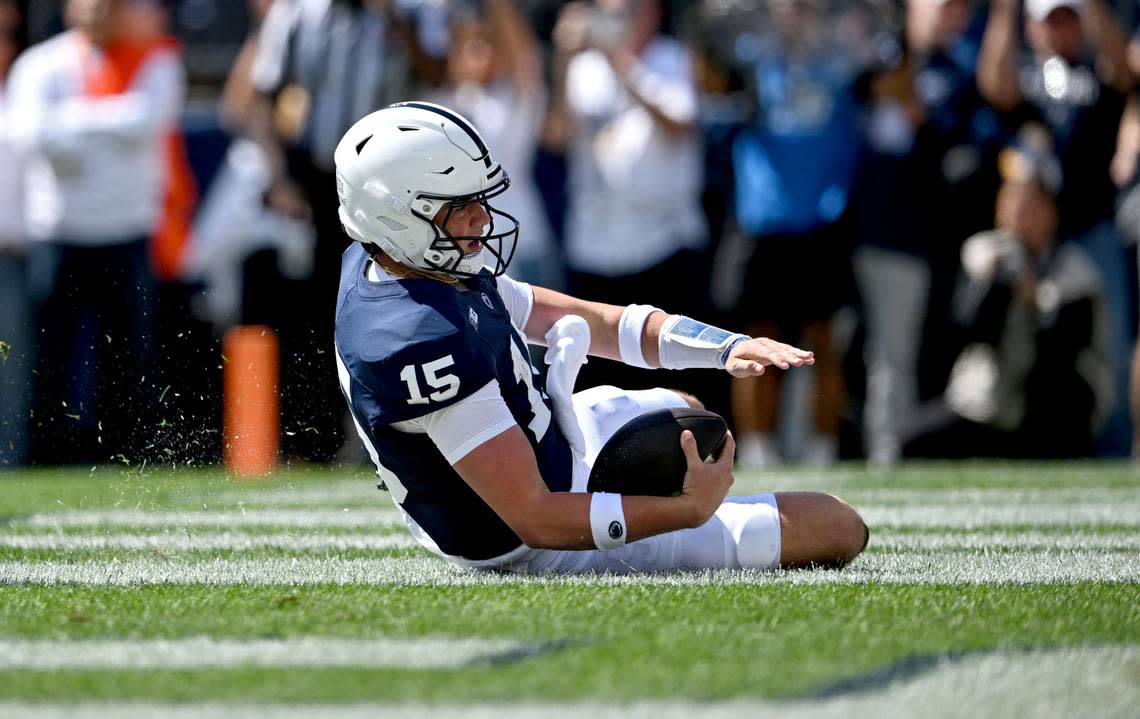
<point>616,530</point>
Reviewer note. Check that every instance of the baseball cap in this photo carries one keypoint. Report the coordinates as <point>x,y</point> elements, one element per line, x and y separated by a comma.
<point>1040,9</point>
<point>1030,157</point>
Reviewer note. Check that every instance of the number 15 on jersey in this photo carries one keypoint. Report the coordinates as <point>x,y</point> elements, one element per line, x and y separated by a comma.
<point>446,386</point>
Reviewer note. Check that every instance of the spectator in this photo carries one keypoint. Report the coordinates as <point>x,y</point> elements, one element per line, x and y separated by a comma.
<point>16,354</point>
<point>1073,80</point>
<point>625,103</point>
<point>923,185</point>
<point>234,222</point>
<point>495,79</point>
<point>793,166</point>
<point>1124,173</point>
<point>1034,378</point>
<point>320,66</point>
<point>92,108</point>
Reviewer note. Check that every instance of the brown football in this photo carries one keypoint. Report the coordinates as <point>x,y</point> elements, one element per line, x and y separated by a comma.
<point>645,457</point>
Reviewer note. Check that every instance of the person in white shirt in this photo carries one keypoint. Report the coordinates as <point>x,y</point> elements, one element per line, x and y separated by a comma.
<point>495,78</point>
<point>626,104</point>
<point>321,65</point>
<point>91,109</point>
<point>15,323</point>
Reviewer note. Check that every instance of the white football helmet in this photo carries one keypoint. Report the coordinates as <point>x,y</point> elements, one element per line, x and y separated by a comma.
<point>398,167</point>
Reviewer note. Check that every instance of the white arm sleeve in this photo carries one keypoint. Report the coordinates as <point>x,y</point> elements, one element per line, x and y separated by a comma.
<point>268,70</point>
<point>519,299</point>
<point>459,428</point>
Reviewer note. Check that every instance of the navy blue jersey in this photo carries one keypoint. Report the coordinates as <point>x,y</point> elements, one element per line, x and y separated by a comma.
<point>412,346</point>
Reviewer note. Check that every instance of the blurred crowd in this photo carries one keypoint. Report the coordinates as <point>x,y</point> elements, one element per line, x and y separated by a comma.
<point>938,197</point>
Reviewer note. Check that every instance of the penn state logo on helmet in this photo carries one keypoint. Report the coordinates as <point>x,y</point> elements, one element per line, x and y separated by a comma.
<point>401,172</point>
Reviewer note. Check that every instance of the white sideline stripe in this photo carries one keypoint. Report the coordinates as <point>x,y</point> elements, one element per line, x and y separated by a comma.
<point>950,516</point>
<point>339,491</point>
<point>1113,541</point>
<point>979,567</point>
<point>956,516</point>
<point>983,496</point>
<point>303,542</point>
<point>363,493</point>
<point>208,653</point>
<point>300,518</point>
<point>177,542</point>
<point>1059,684</point>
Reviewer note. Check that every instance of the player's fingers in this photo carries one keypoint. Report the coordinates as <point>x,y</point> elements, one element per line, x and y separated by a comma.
<point>728,452</point>
<point>689,447</point>
<point>738,367</point>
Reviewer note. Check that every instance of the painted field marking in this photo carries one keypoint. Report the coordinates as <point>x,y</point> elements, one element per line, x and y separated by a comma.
<point>993,540</point>
<point>1029,514</point>
<point>227,541</point>
<point>210,653</point>
<point>299,518</point>
<point>950,516</point>
<point>363,493</point>
<point>358,492</point>
<point>1050,684</point>
<point>984,496</point>
<point>976,567</point>
<point>301,541</point>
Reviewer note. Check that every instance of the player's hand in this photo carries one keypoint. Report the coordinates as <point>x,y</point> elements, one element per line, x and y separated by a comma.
<point>288,198</point>
<point>749,358</point>
<point>571,32</point>
<point>706,483</point>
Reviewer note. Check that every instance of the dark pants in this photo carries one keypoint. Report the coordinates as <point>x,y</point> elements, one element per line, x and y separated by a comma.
<point>95,388</point>
<point>17,356</point>
<point>303,313</point>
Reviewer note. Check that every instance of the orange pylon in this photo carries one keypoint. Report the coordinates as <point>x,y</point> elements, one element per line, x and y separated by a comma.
<point>251,404</point>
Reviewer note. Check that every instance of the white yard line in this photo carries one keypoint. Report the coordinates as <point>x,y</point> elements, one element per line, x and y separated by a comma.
<point>1029,514</point>
<point>925,514</point>
<point>978,567</point>
<point>231,541</point>
<point>359,492</point>
<point>1062,683</point>
<point>983,496</point>
<point>952,541</point>
<point>363,494</point>
<point>210,653</point>
<point>306,541</point>
<point>299,518</point>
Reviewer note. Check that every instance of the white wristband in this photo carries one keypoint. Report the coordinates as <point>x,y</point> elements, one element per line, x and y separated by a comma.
<point>630,329</point>
<point>607,521</point>
<point>686,343</point>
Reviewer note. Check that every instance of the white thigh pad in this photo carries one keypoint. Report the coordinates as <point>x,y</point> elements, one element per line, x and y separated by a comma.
<point>754,523</point>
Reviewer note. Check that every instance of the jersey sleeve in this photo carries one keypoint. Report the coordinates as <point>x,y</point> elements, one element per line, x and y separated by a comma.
<point>460,428</point>
<point>518,297</point>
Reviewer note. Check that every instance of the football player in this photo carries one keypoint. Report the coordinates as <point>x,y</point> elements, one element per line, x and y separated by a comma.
<point>488,465</point>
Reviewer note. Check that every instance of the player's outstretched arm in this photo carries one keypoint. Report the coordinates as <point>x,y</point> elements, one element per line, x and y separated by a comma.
<point>503,472</point>
<point>645,336</point>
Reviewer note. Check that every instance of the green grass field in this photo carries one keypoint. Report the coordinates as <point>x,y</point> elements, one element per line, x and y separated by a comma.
<point>986,590</point>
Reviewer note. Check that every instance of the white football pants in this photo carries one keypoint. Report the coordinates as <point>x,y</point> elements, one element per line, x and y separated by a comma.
<point>743,533</point>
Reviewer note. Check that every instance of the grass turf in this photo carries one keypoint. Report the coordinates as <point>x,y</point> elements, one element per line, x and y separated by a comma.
<point>630,641</point>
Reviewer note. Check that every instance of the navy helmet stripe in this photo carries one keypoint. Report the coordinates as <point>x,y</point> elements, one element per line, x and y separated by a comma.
<point>454,118</point>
